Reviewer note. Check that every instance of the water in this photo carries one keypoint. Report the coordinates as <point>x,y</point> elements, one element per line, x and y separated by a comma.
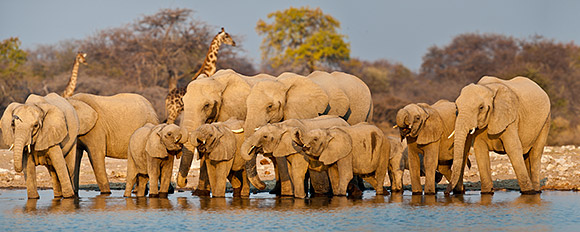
<point>504,211</point>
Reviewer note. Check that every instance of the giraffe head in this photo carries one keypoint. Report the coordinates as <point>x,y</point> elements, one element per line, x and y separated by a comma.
<point>82,57</point>
<point>224,37</point>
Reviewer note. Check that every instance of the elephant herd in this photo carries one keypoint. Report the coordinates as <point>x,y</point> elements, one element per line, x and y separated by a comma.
<point>317,129</point>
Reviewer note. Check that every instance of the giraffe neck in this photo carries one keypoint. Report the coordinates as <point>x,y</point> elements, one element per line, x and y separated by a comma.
<point>209,64</point>
<point>72,83</point>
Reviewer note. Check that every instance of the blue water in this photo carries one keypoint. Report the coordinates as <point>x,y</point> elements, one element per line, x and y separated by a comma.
<point>504,211</point>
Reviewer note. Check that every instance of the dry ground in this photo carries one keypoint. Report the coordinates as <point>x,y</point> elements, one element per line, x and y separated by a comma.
<point>560,169</point>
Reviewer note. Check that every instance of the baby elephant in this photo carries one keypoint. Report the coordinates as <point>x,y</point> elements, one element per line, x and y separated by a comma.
<point>361,149</point>
<point>218,145</point>
<point>152,150</point>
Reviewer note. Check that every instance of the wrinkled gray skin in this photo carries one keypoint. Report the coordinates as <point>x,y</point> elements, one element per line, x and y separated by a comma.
<point>427,129</point>
<point>215,99</point>
<point>275,140</point>
<point>219,145</point>
<point>106,125</point>
<point>43,131</point>
<point>361,149</point>
<point>292,96</point>
<point>506,116</point>
<point>152,149</point>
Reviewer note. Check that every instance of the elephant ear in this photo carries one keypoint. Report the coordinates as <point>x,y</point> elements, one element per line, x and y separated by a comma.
<point>339,145</point>
<point>6,123</point>
<point>432,126</point>
<point>285,147</point>
<point>504,112</point>
<point>53,129</point>
<point>87,115</point>
<point>296,135</point>
<point>225,147</point>
<point>154,147</point>
<point>300,90</point>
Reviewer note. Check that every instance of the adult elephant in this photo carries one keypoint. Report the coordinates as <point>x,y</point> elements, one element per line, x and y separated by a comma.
<point>506,116</point>
<point>214,99</point>
<point>43,131</point>
<point>427,129</point>
<point>292,96</point>
<point>107,123</point>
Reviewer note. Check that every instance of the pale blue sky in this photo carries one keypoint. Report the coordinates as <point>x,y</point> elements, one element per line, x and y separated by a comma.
<point>399,31</point>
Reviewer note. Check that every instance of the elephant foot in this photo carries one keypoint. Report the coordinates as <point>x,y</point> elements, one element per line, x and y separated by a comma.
<point>201,193</point>
<point>397,191</point>
<point>163,195</point>
<point>531,192</point>
<point>319,195</point>
<point>417,193</point>
<point>458,192</point>
<point>57,196</point>
<point>487,193</point>
<point>237,192</point>
<point>277,189</point>
<point>353,190</point>
<point>429,193</point>
<point>385,192</point>
<point>153,195</point>
<point>69,197</point>
<point>171,189</point>
<point>106,193</point>
<point>126,195</point>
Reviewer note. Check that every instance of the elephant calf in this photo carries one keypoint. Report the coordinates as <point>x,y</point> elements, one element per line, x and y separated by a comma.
<point>152,150</point>
<point>361,149</point>
<point>218,145</point>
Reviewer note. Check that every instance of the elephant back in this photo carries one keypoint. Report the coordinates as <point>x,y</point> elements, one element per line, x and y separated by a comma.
<point>349,97</point>
<point>136,149</point>
<point>367,147</point>
<point>118,117</point>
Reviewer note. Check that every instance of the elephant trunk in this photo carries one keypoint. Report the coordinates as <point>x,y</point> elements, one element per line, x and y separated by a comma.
<point>461,130</point>
<point>249,128</point>
<point>19,143</point>
<point>184,166</point>
<point>247,149</point>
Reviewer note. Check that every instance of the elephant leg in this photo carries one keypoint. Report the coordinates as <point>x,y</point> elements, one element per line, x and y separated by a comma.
<point>59,164</point>
<point>217,176</point>
<point>56,188</point>
<point>299,168</point>
<point>513,148</point>
<point>535,157</point>
<point>95,142</point>
<point>73,163</point>
<point>142,184</point>
<point>283,175</point>
<point>166,171</point>
<point>380,175</point>
<point>483,163</point>
<point>234,179</point>
<point>344,174</point>
<point>430,160</point>
<point>245,184</point>
<point>30,177</point>
<point>320,183</point>
<point>153,170</point>
<point>415,171</point>
<point>334,179</point>
<point>203,185</point>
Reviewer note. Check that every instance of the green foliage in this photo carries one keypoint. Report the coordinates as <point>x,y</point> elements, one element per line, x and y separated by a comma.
<point>302,39</point>
<point>11,57</point>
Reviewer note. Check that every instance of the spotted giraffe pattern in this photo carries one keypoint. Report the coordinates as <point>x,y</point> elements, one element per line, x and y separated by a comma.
<point>174,99</point>
<point>72,82</point>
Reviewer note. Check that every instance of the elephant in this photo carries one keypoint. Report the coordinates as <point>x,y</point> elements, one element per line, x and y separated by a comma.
<point>428,130</point>
<point>106,125</point>
<point>275,140</point>
<point>292,96</point>
<point>219,145</point>
<point>505,116</point>
<point>152,149</point>
<point>214,99</point>
<point>361,149</point>
<point>397,163</point>
<point>43,131</point>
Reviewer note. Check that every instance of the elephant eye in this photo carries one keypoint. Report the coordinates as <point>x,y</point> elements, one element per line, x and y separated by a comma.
<point>36,125</point>
<point>169,134</point>
<point>481,107</point>
<point>417,117</point>
<point>270,106</point>
<point>206,105</point>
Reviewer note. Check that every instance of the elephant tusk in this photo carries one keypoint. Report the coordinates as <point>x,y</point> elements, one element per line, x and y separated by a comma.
<point>28,148</point>
<point>238,131</point>
<point>257,128</point>
<point>395,127</point>
<point>451,135</point>
<point>472,131</point>
<point>251,148</point>
<point>11,146</point>
<point>203,142</point>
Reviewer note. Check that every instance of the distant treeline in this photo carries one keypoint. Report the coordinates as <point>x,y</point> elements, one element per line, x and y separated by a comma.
<point>142,58</point>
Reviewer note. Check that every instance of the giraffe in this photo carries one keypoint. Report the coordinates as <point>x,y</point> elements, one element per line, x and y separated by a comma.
<point>174,100</point>
<point>72,83</point>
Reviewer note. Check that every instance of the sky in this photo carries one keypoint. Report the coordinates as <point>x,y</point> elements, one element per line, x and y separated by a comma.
<point>398,31</point>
